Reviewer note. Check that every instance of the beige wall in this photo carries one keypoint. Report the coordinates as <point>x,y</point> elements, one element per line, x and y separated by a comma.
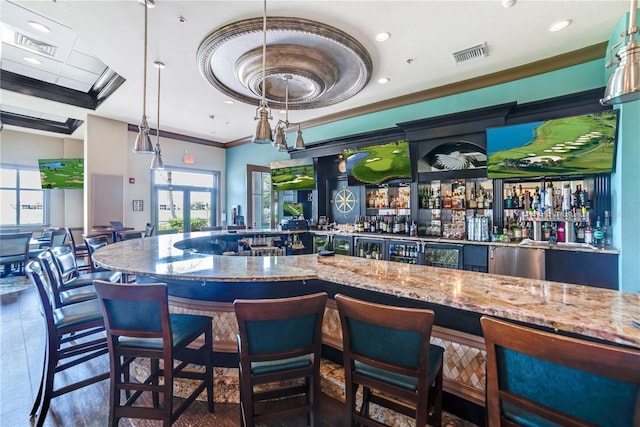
<point>107,147</point>
<point>25,149</point>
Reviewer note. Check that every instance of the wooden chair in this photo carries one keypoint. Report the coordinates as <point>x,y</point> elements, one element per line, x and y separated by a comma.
<point>386,349</point>
<point>149,230</point>
<point>130,235</point>
<point>62,296</point>
<point>279,340</point>
<point>139,326</point>
<point>541,378</point>
<point>94,243</point>
<point>14,250</point>
<point>72,277</point>
<point>75,335</point>
<point>58,237</point>
<point>80,251</point>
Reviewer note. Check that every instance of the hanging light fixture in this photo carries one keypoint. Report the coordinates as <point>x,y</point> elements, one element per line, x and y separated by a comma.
<point>624,83</point>
<point>143,142</point>
<point>281,139</point>
<point>156,162</point>
<point>263,113</point>
<point>299,145</point>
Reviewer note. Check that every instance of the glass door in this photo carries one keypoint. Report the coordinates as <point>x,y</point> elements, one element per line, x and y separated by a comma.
<point>185,201</point>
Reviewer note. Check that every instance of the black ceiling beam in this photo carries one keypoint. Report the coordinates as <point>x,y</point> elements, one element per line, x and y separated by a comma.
<point>33,87</point>
<point>67,127</point>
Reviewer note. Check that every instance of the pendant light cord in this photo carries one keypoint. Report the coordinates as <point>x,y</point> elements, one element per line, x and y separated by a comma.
<point>144,79</point>
<point>158,131</point>
<point>264,53</point>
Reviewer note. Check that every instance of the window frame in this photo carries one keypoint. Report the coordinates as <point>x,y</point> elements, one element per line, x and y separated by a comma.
<point>46,197</point>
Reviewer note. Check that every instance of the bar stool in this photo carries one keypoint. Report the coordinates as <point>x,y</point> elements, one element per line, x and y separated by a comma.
<point>279,341</point>
<point>541,378</point>
<point>139,326</point>
<point>93,244</point>
<point>79,250</point>
<point>75,335</point>
<point>70,272</point>
<point>386,350</point>
<point>62,296</point>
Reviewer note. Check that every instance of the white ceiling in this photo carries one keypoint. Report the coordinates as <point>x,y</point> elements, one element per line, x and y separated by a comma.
<point>417,57</point>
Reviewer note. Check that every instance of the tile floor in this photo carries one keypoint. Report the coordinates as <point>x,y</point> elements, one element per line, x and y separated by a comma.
<point>21,350</point>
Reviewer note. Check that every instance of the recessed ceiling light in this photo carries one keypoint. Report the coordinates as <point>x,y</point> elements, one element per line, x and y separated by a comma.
<point>384,80</point>
<point>38,26</point>
<point>32,60</point>
<point>560,25</point>
<point>508,3</point>
<point>381,37</point>
<point>228,101</point>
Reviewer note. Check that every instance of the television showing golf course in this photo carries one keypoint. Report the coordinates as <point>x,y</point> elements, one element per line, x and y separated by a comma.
<point>576,145</point>
<point>293,174</point>
<point>61,173</point>
<point>292,209</point>
<point>378,164</point>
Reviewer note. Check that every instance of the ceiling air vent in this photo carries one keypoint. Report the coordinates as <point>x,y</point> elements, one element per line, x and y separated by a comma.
<point>34,45</point>
<point>470,54</point>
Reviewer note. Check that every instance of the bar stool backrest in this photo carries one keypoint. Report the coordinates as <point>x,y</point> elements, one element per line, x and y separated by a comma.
<point>537,378</point>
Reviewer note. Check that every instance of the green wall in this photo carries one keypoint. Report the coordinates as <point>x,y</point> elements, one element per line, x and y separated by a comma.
<point>569,80</point>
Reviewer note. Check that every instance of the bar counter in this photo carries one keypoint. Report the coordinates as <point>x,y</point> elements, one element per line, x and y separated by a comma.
<point>597,313</point>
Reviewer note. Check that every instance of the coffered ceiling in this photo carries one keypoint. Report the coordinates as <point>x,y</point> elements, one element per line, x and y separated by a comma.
<point>95,49</point>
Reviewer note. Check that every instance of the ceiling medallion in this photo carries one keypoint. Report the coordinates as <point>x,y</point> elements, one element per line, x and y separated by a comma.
<point>326,65</point>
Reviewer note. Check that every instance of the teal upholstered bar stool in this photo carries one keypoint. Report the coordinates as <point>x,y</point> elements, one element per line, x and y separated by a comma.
<point>386,350</point>
<point>279,344</point>
<point>139,326</point>
<point>537,378</point>
<point>75,335</point>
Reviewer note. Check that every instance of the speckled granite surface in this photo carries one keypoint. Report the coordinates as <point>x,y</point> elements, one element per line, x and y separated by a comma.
<point>593,312</point>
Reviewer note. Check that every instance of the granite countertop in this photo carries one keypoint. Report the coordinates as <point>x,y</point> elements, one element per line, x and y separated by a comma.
<point>534,244</point>
<point>584,310</point>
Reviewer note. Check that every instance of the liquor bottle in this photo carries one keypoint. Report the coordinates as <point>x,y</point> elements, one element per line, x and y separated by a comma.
<point>598,234</point>
<point>588,234</point>
<point>580,232</point>
<point>606,228</point>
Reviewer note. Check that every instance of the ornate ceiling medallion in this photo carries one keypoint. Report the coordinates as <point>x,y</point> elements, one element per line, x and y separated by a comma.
<point>326,65</point>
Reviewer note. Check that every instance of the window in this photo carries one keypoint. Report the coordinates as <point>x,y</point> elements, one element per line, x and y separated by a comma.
<point>24,202</point>
<point>185,200</point>
<point>260,197</point>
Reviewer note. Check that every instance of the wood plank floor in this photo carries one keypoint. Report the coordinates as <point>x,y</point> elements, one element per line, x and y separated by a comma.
<point>21,353</point>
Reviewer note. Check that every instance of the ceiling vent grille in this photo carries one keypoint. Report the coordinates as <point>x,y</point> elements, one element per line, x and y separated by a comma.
<point>34,45</point>
<point>470,54</point>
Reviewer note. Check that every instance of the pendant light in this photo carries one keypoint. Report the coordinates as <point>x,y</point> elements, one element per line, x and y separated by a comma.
<point>156,162</point>
<point>281,139</point>
<point>624,83</point>
<point>299,145</point>
<point>143,142</point>
<point>263,113</point>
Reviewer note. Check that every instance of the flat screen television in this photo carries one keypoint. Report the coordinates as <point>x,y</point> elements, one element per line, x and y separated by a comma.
<point>293,174</point>
<point>378,164</point>
<point>61,173</point>
<point>290,209</point>
<point>576,145</point>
